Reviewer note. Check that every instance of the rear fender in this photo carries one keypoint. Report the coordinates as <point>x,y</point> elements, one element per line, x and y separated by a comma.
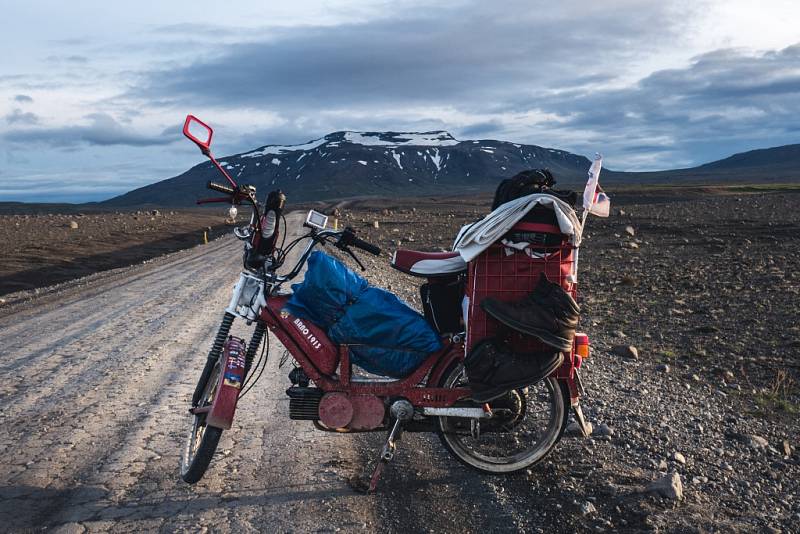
<point>229,386</point>
<point>454,353</point>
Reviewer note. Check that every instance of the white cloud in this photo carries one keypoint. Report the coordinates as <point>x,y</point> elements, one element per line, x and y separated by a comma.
<point>569,75</point>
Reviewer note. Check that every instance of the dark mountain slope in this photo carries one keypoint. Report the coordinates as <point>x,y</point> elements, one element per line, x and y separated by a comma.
<point>345,164</point>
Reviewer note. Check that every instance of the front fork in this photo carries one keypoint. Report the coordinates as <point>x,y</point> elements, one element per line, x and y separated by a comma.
<point>213,356</point>
<point>236,365</point>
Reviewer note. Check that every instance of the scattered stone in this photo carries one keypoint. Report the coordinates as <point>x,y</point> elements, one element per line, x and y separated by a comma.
<point>757,442</point>
<point>69,528</point>
<point>669,487</point>
<point>662,465</point>
<point>155,213</point>
<point>604,430</point>
<point>787,449</point>
<point>73,225</point>
<point>618,333</point>
<point>628,281</point>
<point>630,231</point>
<point>706,329</point>
<point>626,351</point>
<point>678,457</point>
<point>727,374</point>
<point>621,213</point>
<point>696,378</point>
<point>588,508</point>
<point>663,367</point>
<point>574,429</point>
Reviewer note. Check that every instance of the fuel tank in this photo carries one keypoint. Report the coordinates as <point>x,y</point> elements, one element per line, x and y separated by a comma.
<point>322,352</point>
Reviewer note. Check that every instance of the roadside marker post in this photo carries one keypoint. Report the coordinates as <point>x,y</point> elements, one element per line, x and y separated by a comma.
<point>205,237</point>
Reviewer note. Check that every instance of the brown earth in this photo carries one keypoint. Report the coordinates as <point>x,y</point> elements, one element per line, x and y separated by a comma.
<point>42,249</point>
<point>706,288</point>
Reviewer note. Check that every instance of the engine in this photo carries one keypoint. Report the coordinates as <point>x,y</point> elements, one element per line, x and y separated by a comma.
<point>335,409</point>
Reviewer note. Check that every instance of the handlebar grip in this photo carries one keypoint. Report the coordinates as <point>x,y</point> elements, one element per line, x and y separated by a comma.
<point>220,187</point>
<point>363,245</point>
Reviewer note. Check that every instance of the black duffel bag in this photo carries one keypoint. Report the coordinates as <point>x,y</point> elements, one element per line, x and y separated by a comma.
<point>527,183</point>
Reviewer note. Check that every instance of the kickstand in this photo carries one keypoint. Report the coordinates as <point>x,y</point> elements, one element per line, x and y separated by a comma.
<point>387,453</point>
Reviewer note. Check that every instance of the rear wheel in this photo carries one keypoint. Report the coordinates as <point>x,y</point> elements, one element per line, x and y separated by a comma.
<point>203,439</point>
<point>526,425</point>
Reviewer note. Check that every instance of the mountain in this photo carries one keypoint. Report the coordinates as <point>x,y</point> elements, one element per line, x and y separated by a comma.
<point>346,164</point>
<point>764,165</point>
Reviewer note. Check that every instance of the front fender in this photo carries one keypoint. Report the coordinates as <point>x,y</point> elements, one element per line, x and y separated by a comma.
<point>230,384</point>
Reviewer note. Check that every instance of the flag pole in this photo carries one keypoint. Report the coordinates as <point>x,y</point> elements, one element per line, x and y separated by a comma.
<point>591,184</point>
<point>578,248</point>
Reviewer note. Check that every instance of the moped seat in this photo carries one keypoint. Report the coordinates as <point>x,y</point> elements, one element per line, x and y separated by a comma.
<point>428,264</point>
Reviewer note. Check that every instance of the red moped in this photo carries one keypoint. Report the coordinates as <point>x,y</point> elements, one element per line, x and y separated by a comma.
<point>505,435</point>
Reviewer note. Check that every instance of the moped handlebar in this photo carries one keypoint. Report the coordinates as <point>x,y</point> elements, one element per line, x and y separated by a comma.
<point>221,188</point>
<point>367,247</point>
<point>348,239</point>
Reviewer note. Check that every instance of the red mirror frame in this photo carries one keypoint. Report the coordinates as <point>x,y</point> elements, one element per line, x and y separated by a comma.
<point>205,146</point>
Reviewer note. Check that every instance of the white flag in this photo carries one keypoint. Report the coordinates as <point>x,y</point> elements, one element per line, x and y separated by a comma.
<point>595,201</point>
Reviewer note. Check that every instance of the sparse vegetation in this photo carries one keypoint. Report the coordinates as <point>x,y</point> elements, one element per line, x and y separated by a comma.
<point>779,396</point>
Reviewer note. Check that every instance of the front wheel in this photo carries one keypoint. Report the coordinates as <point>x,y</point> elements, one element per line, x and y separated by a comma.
<point>527,423</point>
<point>203,439</point>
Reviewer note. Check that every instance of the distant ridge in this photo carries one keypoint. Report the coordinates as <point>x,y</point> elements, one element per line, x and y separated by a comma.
<point>764,165</point>
<point>349,163</point>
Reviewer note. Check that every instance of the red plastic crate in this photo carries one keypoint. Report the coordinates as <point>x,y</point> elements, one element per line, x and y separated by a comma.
<point>512,276</point>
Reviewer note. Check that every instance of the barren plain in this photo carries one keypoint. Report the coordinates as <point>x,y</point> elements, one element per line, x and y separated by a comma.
<point>704,284</point>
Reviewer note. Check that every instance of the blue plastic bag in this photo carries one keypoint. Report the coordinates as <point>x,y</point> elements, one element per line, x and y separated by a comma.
<point>389,338</point>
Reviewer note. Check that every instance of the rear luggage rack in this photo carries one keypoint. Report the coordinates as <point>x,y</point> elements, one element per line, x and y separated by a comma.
<point>508,274</point>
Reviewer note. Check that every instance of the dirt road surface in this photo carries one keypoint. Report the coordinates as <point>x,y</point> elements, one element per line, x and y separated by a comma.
<point>96,387</point>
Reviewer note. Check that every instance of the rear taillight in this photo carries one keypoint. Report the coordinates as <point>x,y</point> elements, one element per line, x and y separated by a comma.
<point>582,345</point>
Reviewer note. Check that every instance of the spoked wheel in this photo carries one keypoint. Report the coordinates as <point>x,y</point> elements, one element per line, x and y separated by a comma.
<point>526,425</point>
<point>203,439</point>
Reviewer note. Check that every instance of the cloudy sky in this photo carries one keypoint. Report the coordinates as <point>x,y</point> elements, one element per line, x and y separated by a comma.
<point>93,93</point>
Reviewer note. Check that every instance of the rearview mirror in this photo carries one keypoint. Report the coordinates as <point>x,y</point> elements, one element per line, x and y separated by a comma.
<point>198,132</point>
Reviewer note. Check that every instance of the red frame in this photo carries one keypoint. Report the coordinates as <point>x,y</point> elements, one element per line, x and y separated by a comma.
<point>317,359</point>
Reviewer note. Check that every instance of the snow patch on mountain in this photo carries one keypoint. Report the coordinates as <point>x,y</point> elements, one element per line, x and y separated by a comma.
<point>396,139</point>
<point>396,157</point>
<point>282,149</point>
<point>436,159</point>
